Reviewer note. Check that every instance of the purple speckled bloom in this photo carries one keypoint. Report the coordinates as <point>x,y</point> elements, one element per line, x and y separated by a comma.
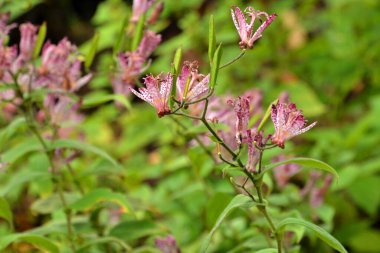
<point>167,244</point>
<point>245,27</point>
<point>4,27</point>
<point>253,153</point>
<point>190,84</point>
<point>288,122</point>
<point>157,92</point>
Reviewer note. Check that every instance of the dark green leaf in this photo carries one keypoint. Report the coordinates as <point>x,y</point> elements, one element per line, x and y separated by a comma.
<point>92,51</point>
<point>139,32</point>
<point>119,42</point>
<point>215,66</point>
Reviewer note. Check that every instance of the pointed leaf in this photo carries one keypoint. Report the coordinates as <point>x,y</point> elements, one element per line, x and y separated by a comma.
<point>211,39</point>
<point>40,40</point>
<point>318,231</point>
<point>11,129</point>
<point>122,34</point>
<point>215,66</point>
<point>104,240</point>
<point>72,144</point>
<point>139,32</point>
<point>15,153</point>
<point>92,51</point>
<point>6,212</point>
<point>308,162</point>
<point>175,72</point>
<point>266,116</point>
<point>92,199</point>
<point>238,201</point>
<point>40,242</point>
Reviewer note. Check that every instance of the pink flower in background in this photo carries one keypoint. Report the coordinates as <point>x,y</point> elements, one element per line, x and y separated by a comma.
<point>157,92</point>
<point>288,122</point>
<point>190,84</point>
<point>8,56</point>
<point>167,244</point>
<point>4,27</point>
<point>27,41</point>
<point>245,28</point>
<point>131,64</point>
<point>242,111</point>
<point>283,173</point>
<point>317,195</point>
<point>139,7</point>
<point>73,79</point>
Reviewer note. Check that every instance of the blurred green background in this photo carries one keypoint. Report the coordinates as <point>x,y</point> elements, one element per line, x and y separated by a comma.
<point>325,54</point>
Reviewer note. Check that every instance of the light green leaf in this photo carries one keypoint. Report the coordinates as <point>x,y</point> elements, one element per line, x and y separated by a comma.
<point>211,39</point>
<point>131,230</point>
<point>5,211</point>
<point>271,250</point>
<point>318,231</point>
<point>98,99</point>
<point>104,240</point>
<point>73,144</point>
<point>22,178</point>
<point>215,66</point>
<point>52,203</point>
<point>91,199</point>
<point>139,32</point>
<point>122,34</point>
<point>11,129</point>
<point>175,72</point>
<point>308,162</point>
<point>40,242</point>
<point>15,153</point>
<point>40,40</point>
<point>266,116</point>
<point>238,201</point>
<point>92,51</point>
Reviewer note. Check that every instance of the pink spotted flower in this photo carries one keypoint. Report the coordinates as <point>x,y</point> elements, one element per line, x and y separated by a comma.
<point>157,92</point>
<point>244,24</point>
<point>190,84</point>
<point>288,122</point>
<point>242,112</point>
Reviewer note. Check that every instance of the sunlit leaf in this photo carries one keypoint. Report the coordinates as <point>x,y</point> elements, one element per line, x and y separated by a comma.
<point>40,40</point>
<point>5,211</point>
<point>211,39</point>
<point>104,240</point>
<point>40,242</point>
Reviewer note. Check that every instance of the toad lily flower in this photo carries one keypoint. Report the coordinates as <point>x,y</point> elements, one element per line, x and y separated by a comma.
<point>156,93</point>
<point>288,122</point>
<point>190,84</point>
<point>242,111</point>
<point>245,29</point>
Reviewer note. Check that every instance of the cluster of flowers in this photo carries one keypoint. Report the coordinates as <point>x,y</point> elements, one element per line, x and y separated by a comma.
<point>58,72</point>
<point>131,64</point>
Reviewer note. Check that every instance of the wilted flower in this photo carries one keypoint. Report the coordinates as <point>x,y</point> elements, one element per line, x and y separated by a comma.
<point>131,64</point>
<point>288,122</point>
<point>242,111</point>
<point>157,92</point>
<point>167,244</point>
<point>27,41</point>
<point>284,172</point>
<point>245,27</point>
<point>190,84</point>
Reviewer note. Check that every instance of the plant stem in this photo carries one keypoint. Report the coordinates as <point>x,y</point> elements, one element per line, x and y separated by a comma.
<point>242,53</point>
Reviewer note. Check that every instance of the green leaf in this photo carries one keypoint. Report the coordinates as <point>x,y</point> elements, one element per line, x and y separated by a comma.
<point>211,39</point>
<point>40,40</point>
<point>73,144</point>
<point>91,199</point>
<point>15,153</point>
<point>238,201</point>
<point>104,240</point>
<point>98,99</point>
<point>266,116</point>
<point>11,129</point>
<point>40,242</point>
<point>271,250</point>
<point>363,194</point>
<point>131,230</point>
<point>309,162</point>
<point>22,178</point>
<point>318,231</point>
<point>139,32</point>
<point>6,212</point>
<point>175,72</point>
<point>215,66</point>
<point>53,202</point>
<point>119,42</point>
<point>92,51</point>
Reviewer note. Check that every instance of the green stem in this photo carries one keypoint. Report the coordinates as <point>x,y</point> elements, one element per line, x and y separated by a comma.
<point>242,53</point>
